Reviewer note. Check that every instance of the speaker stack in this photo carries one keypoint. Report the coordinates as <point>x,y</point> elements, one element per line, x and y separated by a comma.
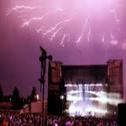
<point>121,114</point>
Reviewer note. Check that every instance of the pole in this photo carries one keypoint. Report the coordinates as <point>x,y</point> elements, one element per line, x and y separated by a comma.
<point>43,113</point>
<point>42,96</point>
<point>43,57</point>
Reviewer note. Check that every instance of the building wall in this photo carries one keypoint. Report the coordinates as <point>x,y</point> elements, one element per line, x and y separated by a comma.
<point>85,74</point>
<point>54,88</point>
<point>115,76</point>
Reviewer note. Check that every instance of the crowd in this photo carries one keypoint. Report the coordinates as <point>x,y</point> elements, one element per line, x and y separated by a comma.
<point>17,119</point>
<point>80,121</point>
<point>32,119</point>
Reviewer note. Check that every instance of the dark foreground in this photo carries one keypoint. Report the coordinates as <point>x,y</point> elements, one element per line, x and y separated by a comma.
<point>34,119</point>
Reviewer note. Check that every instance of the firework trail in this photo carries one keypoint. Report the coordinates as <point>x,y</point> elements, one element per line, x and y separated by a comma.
<point>20,9</point>
<point>52,29</point>
<point>83,30</point>
<point>54,21</point>
<point>55,33</point>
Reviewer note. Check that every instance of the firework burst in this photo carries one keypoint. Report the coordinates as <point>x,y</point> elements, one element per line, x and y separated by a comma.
<point>77,21</point>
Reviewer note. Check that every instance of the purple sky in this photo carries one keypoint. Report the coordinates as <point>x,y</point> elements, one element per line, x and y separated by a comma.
<point>74,32</point>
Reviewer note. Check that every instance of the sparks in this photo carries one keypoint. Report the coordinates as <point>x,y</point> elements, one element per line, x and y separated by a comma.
<point>88,35</point>
<point>19,9</point>
<point>40,19</point>
<point>27,23</point>
<point>55,33</point>
<point>83,30</point>
<point>62,40</point>
<point>103,39</point>
<point>55,27</point>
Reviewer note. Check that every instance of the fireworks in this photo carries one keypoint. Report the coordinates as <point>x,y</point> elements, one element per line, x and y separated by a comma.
<point>77,21</point>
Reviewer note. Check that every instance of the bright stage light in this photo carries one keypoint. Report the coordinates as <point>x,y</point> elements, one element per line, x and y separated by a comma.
<point>90,99</point>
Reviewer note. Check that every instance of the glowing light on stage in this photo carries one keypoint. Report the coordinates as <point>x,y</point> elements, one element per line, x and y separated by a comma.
<point>37,97</point>
<point>86,111</point>
<point>77,21</point>
<point>93,96</point>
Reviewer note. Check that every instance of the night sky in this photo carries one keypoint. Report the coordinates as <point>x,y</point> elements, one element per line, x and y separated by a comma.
<point>76,32</point>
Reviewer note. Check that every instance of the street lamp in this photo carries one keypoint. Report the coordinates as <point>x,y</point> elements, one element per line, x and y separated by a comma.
<point>62,102</point>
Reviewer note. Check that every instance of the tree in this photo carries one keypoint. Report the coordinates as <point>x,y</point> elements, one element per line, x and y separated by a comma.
<point>15,97</point>
<point>16,93</point>
<point>33,94</point>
